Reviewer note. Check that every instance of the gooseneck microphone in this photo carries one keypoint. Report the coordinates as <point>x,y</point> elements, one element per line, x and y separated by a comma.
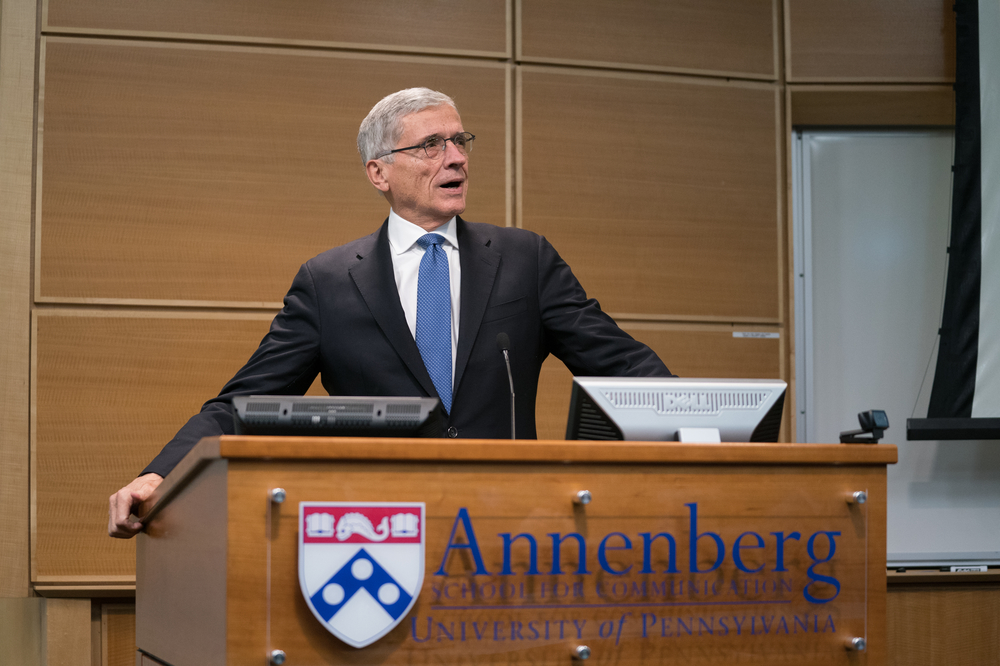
<point>503,344</point>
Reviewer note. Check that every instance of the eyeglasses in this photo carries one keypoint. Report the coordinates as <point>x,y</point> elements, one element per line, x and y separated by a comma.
<point>434,147</point>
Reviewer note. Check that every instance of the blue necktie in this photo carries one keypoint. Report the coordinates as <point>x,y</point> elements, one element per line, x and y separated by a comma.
<point>434,315</point>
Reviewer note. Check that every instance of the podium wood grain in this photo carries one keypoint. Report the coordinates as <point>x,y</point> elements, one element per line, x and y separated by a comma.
<point>519,486</point>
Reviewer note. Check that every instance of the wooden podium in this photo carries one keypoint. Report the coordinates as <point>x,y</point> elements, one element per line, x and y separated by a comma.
<point>685,553</point>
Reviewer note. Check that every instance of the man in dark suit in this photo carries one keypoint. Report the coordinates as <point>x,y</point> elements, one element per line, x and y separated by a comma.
<point>416,307</point>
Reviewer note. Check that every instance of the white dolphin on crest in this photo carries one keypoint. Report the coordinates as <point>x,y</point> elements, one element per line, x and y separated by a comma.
<point>356,523</point>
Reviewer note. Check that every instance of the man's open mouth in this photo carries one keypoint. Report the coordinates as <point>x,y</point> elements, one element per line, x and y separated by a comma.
<point>452,184</point>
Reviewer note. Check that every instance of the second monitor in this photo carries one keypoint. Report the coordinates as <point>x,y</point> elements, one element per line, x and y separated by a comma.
<point>675,409</point>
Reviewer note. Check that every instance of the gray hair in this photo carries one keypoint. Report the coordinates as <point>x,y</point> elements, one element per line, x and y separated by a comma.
<point>381,128</point>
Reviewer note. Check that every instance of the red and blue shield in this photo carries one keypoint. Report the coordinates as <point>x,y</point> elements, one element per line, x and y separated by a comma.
<point>361,565</point>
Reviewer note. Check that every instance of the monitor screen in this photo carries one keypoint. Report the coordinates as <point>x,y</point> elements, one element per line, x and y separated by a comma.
<point>675,409</point>
<point>338,416</point>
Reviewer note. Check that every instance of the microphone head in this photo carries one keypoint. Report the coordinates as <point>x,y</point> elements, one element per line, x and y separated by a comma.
<point>503,342</point>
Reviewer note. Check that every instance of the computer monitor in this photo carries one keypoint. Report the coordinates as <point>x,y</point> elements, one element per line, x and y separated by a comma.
<point>674,409</point>
<point>338,416</point>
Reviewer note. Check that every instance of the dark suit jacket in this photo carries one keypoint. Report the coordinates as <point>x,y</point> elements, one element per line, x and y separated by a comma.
<point>342,318</point>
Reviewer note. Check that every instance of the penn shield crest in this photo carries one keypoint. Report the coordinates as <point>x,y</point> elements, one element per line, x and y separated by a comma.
<point>361,565</point>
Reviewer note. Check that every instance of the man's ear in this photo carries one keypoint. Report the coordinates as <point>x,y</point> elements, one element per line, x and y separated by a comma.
<point>376,172</point>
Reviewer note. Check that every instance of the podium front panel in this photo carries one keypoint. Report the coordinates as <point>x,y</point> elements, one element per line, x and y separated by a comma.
<point>692,564</point>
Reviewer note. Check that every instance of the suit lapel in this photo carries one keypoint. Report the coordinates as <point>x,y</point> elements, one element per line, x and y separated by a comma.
<point>375,279</point>
<point>479,268</point>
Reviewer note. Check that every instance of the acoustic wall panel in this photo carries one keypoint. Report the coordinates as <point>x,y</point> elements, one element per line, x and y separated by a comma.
<point>867,106</point>
<point>941,623</point>
<point>707,36</point>
<point>111,388</point>
<point>662,193</point>
<point>870,40</point>
<point>202,174</point>
<point>443,26</point>
<point>117,635</point>
<point>688,350</point>
<point>18,26</point>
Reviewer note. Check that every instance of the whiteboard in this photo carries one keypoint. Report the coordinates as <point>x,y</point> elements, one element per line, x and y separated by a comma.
<point>871,221</point>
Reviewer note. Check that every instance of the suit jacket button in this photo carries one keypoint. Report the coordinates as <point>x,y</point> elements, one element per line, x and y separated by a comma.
<point>452,431</point>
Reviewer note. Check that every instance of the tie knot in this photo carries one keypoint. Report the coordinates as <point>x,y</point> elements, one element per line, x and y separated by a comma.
<point>427,240</point>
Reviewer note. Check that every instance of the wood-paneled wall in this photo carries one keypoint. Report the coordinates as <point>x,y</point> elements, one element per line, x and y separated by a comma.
<point>112,386</point>
<point>451,27</point>
<point>18,25</point>
<point>679,223</point>
<point>196,163</point>
<point>117,634</point>
<point>207,174</point>
<point>710,37</point>
<point>188,157</point>
<point>854,41</point>
<point>944,624</point>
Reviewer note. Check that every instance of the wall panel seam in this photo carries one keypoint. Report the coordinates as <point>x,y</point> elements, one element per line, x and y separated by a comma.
<point>638,75</point>
<point>872,80</point>
<point>651,69</point>
<point>154,313</point>
<point>269,44</point>
<point>57,301</point>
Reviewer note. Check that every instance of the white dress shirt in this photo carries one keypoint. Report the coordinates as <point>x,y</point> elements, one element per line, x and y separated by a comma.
<point>406,256</point>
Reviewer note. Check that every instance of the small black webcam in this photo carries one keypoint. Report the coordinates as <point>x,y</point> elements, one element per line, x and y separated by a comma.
<point>874,423</point>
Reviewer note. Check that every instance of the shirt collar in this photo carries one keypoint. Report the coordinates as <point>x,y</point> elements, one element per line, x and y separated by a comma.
<point>403,234</point>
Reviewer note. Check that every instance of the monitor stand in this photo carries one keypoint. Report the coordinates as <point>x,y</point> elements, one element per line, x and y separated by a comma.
<point>699,435</point>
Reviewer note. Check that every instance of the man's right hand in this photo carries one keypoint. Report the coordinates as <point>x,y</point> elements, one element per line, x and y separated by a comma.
<point>120,505</point>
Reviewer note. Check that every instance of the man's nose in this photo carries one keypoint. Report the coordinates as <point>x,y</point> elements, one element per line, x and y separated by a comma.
<point>453,156</point>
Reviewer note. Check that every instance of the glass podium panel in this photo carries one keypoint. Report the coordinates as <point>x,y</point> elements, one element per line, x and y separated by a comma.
<point>510,563</point>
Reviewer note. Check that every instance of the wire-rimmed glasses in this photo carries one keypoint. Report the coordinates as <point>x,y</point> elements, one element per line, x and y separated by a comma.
<point>434,146</point>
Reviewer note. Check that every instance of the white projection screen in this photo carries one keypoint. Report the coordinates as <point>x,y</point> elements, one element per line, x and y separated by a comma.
<point>986,402</point>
